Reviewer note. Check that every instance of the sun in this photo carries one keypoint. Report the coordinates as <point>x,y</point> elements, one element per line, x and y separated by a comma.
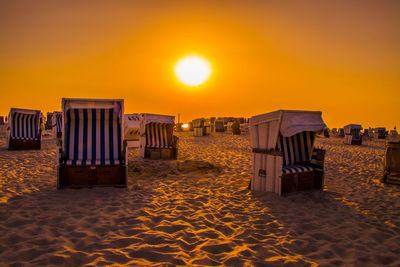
<point>192,70</point>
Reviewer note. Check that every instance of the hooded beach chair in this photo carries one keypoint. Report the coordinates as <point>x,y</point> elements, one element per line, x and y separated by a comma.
<point>199,127</point>
<point>209,125</point>
<point>157,140</point>
<point>49,121</point>
<point>228,127</point>
<point>244,128</point>
<point>380,133</point>
<point>132,129</point>
<point>219,126</point>
<point>284,157</point>
<point>352,134</point>
<point>92,151</point>
<point>24,129</point>
<point>57,124</point>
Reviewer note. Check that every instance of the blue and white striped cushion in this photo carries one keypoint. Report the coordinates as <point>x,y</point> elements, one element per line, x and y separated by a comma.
<point>92,137</point>
<point>157,135</point>
<point>25,138</point>
<point>24,126</point>
<point>296,148</point>
<point>296,168</point>
<point>91,162</point>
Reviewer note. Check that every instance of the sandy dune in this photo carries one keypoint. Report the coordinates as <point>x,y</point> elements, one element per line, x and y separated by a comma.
<point>197,211</point>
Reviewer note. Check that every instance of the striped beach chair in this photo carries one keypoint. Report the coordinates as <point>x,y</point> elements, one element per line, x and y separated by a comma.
<point>379,133</point>
<point>199,127</point>
<point>284,157</point>
<point>92,152</point>
<point>219,126</point>
<point>352,134</point>
<point>57,124</point>
<point>24,129</point>
<point>157,140</point>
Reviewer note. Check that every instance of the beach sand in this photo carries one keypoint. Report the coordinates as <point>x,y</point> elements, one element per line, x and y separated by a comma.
<point>198,211</point>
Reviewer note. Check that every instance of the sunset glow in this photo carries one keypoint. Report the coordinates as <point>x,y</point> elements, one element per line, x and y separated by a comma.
<point>192,70</point>
<point>258,55</point>
<point>199,133</point>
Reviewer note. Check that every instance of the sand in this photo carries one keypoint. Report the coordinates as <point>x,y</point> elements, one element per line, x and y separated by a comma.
<point>197,211</point>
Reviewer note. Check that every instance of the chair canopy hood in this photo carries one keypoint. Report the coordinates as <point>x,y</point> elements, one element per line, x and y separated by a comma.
<point>149,118</point>
<point>353,126</point>
<point>293,121</point>
<point>82,103</point>
<point>266,129</point>
<point>198,122</point>
<point>25,111</point>
<point>296,122</point>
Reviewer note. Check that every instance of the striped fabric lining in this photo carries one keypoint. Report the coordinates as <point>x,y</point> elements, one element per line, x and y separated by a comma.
<point>96,162</point>
<point>157,135</point>
<point>296,168</point>
<point>296,148</point>
<point>24,126</point>
<point>58,122</point>
<point>92,137</point>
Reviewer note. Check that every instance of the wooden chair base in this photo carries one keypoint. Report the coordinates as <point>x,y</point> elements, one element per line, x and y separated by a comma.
<point>311,180</point>
<point>19,144</point>
<point>91,176</point>
<point>356,142</point>
<point>393,178</point>
<point>161,153</point>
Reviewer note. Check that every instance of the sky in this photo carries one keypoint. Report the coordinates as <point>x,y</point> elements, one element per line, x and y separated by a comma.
<point>339,57</point>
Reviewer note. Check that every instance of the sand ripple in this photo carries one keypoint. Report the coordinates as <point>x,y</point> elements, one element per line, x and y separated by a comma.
<point>197,211</point>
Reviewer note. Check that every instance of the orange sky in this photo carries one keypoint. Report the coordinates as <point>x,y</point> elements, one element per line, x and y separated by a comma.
<point>341,57</point>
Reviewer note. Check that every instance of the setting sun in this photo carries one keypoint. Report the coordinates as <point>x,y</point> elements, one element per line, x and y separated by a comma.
<point>192,70</point>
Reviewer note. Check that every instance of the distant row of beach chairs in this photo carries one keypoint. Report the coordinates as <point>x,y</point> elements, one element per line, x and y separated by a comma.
<point>94,136</point>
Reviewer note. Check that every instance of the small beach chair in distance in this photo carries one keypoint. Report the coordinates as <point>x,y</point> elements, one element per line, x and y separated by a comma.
<point>157,139</point>
<point>57,124</point>
<point>379,133</point>
<point>49,121</point>
<point>23,131</point>
<point>284,157</point>
<point>352,134</point>
<point>209,125</point>
<point>92,151</point>
<point>199,127</point>
<point>219,126</point>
